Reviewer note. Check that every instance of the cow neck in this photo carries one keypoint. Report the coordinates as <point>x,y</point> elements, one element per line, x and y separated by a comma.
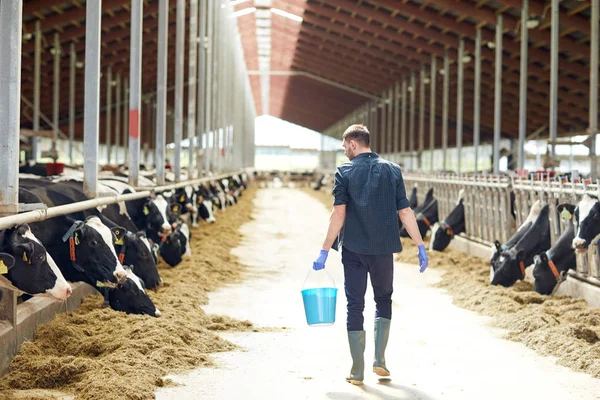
<point>71,236</point>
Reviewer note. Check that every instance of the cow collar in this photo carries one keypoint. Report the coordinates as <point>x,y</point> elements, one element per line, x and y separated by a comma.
<point>446,226</point>
<point>73,239</point>
<point>560,278</point>
<point>522,266</point>
<point>424,219</point>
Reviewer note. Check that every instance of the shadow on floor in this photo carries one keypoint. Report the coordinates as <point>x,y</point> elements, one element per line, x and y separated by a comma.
<point>399,392</point>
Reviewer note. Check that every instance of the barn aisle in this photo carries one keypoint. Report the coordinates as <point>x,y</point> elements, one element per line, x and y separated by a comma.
<point>436,350</point>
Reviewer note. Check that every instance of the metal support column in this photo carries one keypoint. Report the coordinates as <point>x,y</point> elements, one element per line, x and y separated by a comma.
<point>421,117</point>
<point>554,32</point>
<point>108,114</point>
<point>383,131</point>
<point>432,101</point>
<point>209,84</point>
<point>72,76</point>
<point>445,108</point>
<point>56,92</point>
<point>126,144</point>
<point>161,91</point>
<point>595,33</point>
<point>118,118</point>
<point>37,64</point>
<point>523,85</point>
<point>192,79</point>
<point>390,122</point>
<point>459,105</point>
<point>135,89</point>
<point>411,121</point>
<point>91,118</point>
<point>396,130</point>
<point>11,18</point>
<point>477,100</point>
<point>201,68</point>
<point>497,96</point>
<point>403,132</point>
<point>179,70</point>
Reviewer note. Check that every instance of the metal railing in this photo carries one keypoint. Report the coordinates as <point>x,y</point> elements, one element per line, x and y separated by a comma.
<point>488,209</point>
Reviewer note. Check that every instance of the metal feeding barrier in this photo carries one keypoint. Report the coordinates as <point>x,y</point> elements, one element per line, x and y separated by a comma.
<point>495,206</point>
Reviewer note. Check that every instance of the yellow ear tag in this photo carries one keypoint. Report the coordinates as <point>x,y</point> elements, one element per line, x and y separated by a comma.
<point>146,211</point>
<point>3,268</point>
<point>99,284</point>
<point>176,208</point>
<point>182,198</point>
<point>565,214</point>
<point>77,239</point>
<point>25,258</point>
<point>120,241</point>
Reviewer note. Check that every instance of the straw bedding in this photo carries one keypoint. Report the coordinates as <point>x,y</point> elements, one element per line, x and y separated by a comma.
<point>99,353</point>
<point>558,326</point>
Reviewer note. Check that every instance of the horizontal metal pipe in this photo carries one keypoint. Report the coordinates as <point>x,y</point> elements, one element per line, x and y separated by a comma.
<point>44,214</point>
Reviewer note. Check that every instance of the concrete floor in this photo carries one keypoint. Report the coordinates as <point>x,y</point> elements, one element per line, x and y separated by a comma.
<point>436,350</point>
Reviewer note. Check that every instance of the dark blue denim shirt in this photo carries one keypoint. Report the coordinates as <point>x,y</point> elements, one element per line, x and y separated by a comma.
<point>373,190</point>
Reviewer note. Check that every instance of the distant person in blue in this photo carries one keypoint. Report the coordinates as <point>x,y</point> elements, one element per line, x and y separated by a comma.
<point>369,197</point>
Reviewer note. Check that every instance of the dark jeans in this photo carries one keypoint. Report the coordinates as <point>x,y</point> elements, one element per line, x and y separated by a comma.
<point>381,269</point>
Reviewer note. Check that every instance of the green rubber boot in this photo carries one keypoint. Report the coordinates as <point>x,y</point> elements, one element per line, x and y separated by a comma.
<point>356,339</point>
<point>382,333</point>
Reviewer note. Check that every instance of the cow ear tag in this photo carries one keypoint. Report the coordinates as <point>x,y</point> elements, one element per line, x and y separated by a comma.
<point>77,239</point>
<point>3,268</point>
<point>146,211</point>
<point>175,208</point>
<point>28,261</point>
<point>565,214</point>
<point>182,198</point>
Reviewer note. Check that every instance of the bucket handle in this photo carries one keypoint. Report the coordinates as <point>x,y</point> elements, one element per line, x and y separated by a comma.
<point>312,270</point>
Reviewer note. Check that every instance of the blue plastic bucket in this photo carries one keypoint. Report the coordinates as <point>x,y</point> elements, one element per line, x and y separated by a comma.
<point>319,305</point>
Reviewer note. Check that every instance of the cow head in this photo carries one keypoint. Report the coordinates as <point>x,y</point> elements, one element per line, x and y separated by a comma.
<point>131,297</point>
<point>33,270</point>
<point>173,248</point>
<point>183,196</point>
<point>442,236</point>
<point>135,250</point>
<point>547,275</point>
<point>587,214</point>
<point>92,251</point>
<point>510,267</point>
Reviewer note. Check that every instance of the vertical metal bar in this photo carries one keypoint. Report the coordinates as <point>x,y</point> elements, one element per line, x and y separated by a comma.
<point>179,70</point>
<point>477,99</point>
<point>11,18</point>
<point>421,116</point>
<point>56,91</point>
<point>209,84</point>
<point>403,119</point>
<point>497,96</point>
<point>118,118</point>
<point>554,31</point>
<point>523,85</point>
<point>135,89</point>
<point>216,84</point>
<point>37,64</point>
<point>161,91</point>
<point>411,121</point>
<point>594,45</point>
<point>72,76</point>
<point>432,98</point>
<point>192,78</point>
<point>126,92</point>
<point>201,75</point>
<point>108,114</point>
<point>383,130</point>
<point>396,134</point>
<point>445,108</point>
<point>459,105</point>
<point>91,118</point>
<point>390,123</point>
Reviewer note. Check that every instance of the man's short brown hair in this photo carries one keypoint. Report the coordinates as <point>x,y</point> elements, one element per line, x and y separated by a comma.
<point>359,133</point>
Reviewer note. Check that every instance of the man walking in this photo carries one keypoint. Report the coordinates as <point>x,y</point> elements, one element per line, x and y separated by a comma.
<point>369,196</point>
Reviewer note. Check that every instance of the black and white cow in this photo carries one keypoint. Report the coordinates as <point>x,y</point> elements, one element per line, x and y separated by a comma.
<point>130,297</point>
<point>511,264</point>
<point>204,203</point>
<point>454,224</point>
<point>426,214</point>
<point>521,231</point>
<point>414,201</point>
<point>587,214</point>
<point>26,266</point>
<point>551,266</point>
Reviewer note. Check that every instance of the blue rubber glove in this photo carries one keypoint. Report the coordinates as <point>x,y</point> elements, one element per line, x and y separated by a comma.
<point>320,261</point>
<point>423,258</point>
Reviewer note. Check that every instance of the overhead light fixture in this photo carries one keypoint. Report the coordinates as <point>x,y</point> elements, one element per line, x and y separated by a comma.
<point>79,64</point>
<point>243,12</point>
<point>286,14</point>
<point>426,81</point>
<point>532,22</point>
<point>410,88</point>
<point>491,45</point>
<point>442,72</point>
<point>28,36</point>
<point>466,59</point>
<point>113,83</point>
